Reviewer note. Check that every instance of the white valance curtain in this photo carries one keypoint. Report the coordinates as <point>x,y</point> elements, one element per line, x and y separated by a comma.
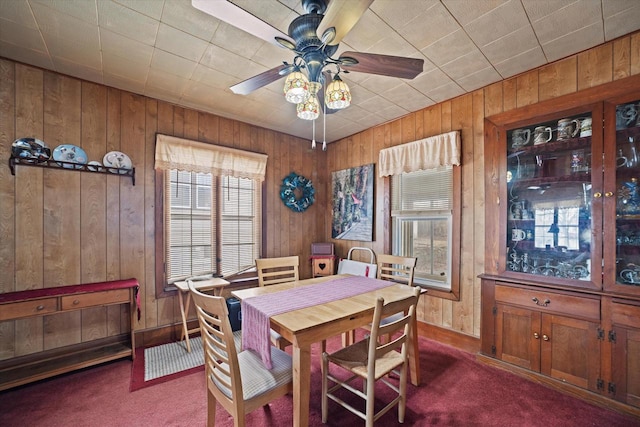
<point>193,156</point>
<point>428,153</point>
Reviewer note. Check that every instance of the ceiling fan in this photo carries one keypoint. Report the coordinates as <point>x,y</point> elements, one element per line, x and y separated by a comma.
<point>313,38</point>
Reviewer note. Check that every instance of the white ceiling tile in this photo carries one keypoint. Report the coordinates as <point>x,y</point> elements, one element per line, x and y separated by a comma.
<point>624,22</point>
<point>230,63</point>
<point>449,48</point>
<point>77,70</point>
<point>390,12</point>
<point>270,55</point>
<point>610,8</point>
<point>130,68</point>
<point>237,41</point>
<point>180,43</point>
<point>510,45</point>
<point>83,51</point>
<point>127,22</point>
<point>426,29</point>
<point>28,56</point>
<point>18,12</point>
<point>479,79</point>
<point>503,20</point>
<point>540,9</point>
<point>151,8</point>
<point>379,84</point>
<point>466,11</point>
<point>123,83</point>
<point>182,15</point>
<point>19,35</point>
<point>447,91</point>
<point>121,46</point>
<point>520,63</point>
<point>429,80</point>
<point>213,78</point>
<point>369,30</point>
<point>573,42</point>
<point>271,12</point>
<point>465,65</point>
<point>392,112</point>
<point>84,10</point>
<point>172,64</point>
<point>571,18</point>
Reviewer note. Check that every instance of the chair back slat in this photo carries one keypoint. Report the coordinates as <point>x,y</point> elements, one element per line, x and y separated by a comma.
<point>272,271</point>
<point>396,268</point>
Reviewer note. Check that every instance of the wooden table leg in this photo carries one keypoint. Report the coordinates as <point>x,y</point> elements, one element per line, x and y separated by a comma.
<point>301,385</point>
<point>184,312</point>
<point>414,354</point>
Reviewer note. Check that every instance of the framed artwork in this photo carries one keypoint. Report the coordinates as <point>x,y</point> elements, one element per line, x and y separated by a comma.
<point>352,210</point>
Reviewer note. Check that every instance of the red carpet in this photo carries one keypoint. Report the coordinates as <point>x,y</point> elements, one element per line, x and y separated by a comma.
<point>455,391</point>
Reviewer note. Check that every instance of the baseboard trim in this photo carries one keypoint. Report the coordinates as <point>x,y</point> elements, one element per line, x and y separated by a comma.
<point>455,339</point>
<point>577,392</point>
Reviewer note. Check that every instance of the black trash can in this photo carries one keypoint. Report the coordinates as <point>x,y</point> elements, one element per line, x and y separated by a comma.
<point>235,315</point>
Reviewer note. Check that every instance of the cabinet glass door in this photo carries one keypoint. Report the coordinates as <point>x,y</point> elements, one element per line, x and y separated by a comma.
<point>627,190</point>
<point>549,194</point>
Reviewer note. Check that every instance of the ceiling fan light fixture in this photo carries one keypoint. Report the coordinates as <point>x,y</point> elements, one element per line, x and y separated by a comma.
<point>310,109</point>
<point>286,43</point>
<point>337,94</point>
<point>328,36</point>
<point>296,88</point>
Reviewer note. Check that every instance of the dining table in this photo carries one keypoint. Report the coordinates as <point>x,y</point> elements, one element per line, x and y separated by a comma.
<point>319,321</point>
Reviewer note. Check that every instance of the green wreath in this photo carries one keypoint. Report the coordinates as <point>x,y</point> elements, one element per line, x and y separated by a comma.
<point>293,182</point>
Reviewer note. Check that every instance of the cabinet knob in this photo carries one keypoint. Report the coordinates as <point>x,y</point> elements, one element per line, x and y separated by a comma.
<point>76,302</point>
<point>608,194</point>
<point>40,307</point>
<point>597,195</point>
<point>545,337</point>
<point>536,335</point>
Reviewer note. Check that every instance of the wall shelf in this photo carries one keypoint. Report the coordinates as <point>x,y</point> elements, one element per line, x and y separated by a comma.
<point>53,164</point>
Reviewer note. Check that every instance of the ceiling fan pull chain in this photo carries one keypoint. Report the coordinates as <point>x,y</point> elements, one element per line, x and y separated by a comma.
<point>313,141</point>
<point>324,125</point>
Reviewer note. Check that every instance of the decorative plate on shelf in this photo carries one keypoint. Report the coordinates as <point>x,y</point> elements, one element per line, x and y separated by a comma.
<point>116,159</point>
<point>94,166</point>
<point>30,149</point>
<point>70,154</point>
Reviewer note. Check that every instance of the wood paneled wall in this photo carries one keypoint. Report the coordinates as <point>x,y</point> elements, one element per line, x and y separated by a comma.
<point>61,227</point>
<point>65,227</point>
<point>611,61</point>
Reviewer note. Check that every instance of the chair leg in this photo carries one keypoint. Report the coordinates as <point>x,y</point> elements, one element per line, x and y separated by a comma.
<point>211,409</point>
<point>323,346</point>
<point>370,387</point>
<point>325,399</point>
<point>403,392</point>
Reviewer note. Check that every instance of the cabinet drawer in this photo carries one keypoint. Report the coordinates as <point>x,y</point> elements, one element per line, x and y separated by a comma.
<point>117,296</point>
<point>625,315</point>
<point>550,302</point>
<point>38,307</point>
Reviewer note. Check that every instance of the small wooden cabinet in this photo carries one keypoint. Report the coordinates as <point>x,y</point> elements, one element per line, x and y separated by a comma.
<point>624,338</point>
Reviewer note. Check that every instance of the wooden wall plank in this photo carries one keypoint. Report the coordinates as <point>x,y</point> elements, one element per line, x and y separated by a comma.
<point>493,99</point>
<point>621,58</point>
<point>62,119</point>
<point>510,94</point>
<point>93,190</point>
<point>635,54</point>
<point>8,200</point>
<point>558,78</point>
<point>595,66</point>
<point>527,88</point>
<point>477,124</point>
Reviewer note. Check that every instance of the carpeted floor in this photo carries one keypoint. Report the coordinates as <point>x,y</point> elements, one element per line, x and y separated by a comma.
<point>455,391</point>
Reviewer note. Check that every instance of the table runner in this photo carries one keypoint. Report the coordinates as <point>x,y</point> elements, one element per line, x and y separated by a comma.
<point>257,310</point>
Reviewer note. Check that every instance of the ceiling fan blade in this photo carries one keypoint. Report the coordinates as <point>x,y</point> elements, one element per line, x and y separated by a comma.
<point>342,15</point>
<point>240,18</point>
<point>385,65</point>
<point>256,82</point>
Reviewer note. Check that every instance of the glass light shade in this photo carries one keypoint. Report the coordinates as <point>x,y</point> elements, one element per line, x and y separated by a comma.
<point>310,109</point>
<point>337,94</point>
<point>296,87</point>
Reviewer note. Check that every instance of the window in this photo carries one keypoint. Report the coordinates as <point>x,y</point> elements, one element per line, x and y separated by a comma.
<point>558,227</point>
<point>423,222</point>
<point>209,218</point>
<point>426,209</point>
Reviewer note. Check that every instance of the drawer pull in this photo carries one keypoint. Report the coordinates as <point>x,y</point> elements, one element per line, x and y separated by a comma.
<point>76,302</point>
<point>543,304</point>
<point>40,307</point>
<point>536,335</point>
<point>545,337</point>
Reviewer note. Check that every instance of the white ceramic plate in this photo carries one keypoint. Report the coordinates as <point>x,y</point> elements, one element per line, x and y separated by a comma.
<point>117,159</point>
<point>94,166</point>
<point>31,149</point>
<point>70,154</point>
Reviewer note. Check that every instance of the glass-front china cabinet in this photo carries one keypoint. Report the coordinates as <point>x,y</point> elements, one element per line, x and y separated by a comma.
<point>561,291</point>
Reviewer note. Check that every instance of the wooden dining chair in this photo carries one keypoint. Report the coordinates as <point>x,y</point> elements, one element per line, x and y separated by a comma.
<point>272,271</point>
<point>236,379</point>
<point>372,360</point>
<point>396,268</point>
